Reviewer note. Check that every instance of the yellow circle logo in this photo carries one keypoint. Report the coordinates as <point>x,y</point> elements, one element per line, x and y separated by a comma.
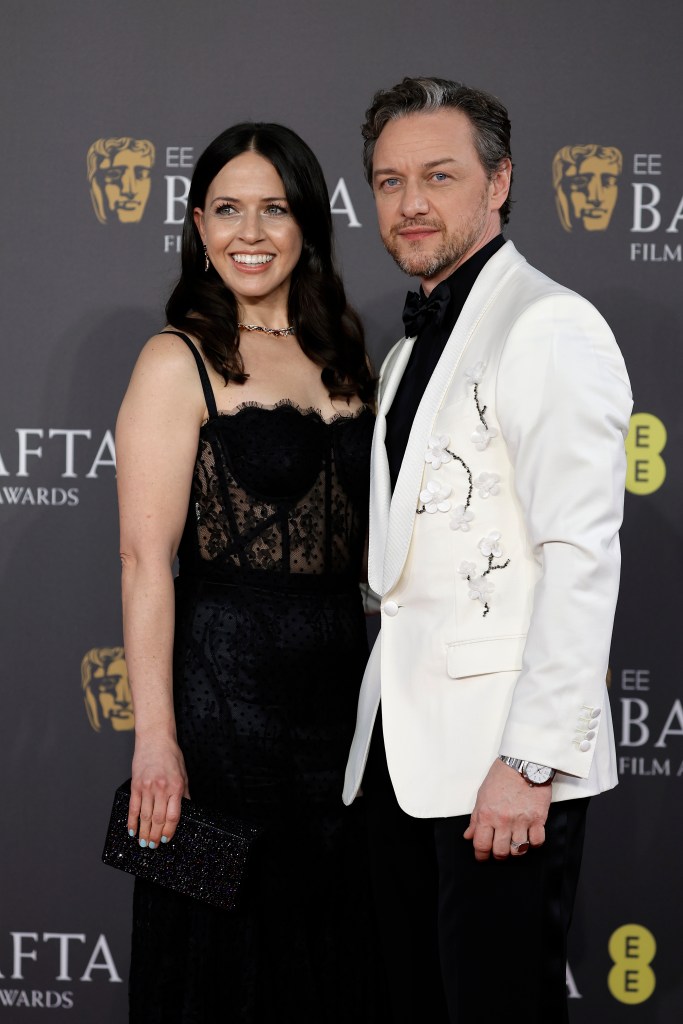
<point>646,469</point>
<point>632,948</point>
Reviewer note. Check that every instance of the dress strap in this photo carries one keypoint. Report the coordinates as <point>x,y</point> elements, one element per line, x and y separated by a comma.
<point>203,375</point>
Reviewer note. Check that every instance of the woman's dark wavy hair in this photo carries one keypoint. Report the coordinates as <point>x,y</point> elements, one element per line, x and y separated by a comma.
<point>328,329</point>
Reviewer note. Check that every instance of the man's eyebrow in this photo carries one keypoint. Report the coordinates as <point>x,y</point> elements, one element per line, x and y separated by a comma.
<point>443,160</point>
<point>427,166</point>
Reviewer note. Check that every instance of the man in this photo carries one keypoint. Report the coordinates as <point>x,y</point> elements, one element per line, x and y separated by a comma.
<point>496,497</point>
<point>586,179</point>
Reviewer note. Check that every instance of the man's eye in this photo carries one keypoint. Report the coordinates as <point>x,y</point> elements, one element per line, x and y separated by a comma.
<point>440,176</point>
<point>579,183</point>
<point>390,183</point>
<point>113,175</point>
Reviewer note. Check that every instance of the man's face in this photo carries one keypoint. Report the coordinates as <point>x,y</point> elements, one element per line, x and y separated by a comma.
<point>125,183</point>
<point>109,685</point>
<point>435,204</point>
<point>591,188</point>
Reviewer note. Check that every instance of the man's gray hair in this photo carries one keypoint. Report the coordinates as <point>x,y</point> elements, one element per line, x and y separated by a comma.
<point>487,115</point>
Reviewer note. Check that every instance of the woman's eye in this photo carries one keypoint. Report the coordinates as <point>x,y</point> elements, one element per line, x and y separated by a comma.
<point>275,211</point>
<point>225,209</point>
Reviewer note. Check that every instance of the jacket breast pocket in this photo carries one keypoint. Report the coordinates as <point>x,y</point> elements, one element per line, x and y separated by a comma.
<point>482,657</point>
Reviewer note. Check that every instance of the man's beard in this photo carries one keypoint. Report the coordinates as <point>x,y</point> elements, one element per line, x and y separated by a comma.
<point>453,248</point>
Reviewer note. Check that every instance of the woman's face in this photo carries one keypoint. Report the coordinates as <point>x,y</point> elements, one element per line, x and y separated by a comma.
<point>250,235</point>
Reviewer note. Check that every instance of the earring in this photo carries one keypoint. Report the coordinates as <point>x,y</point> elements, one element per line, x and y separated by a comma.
<point>206,261</point>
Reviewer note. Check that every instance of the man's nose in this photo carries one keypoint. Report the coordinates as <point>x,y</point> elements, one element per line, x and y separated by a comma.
<point>414,201</point>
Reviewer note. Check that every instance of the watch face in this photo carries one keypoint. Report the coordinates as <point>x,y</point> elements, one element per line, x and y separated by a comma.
<point>538,773</point>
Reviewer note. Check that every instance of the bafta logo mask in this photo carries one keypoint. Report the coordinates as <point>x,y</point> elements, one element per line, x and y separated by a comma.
<point>585,179</point>
<point>106,690</point>
<point>119,178</point>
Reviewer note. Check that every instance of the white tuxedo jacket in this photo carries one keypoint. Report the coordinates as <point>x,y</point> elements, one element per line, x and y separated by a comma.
<point>497,559</point>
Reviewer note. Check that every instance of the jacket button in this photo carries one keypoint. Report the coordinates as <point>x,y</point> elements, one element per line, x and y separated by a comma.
<point>390,608</point>
<point>593,724</point>
<point>584,745</point>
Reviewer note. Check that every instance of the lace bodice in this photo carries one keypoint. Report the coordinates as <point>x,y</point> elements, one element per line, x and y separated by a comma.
<point>278,490</point>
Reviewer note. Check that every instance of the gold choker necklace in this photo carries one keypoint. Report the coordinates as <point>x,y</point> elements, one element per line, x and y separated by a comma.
<point>277,332</point>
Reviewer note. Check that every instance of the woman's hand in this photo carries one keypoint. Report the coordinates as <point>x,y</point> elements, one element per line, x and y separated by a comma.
<point>159,781</point>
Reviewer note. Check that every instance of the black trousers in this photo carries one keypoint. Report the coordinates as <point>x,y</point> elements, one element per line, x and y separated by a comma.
<point>464,941</point>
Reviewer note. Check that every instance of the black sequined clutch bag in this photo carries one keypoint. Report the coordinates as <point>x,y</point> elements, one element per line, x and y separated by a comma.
<point>206,859</point>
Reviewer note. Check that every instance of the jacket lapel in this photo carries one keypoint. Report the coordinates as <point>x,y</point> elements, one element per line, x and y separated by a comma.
<point>401,515</point>
<point>380,482</point>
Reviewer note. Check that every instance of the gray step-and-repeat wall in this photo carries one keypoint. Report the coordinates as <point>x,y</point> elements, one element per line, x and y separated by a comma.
<point>594,93</point>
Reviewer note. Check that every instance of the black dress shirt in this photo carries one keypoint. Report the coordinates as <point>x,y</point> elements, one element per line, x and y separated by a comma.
<point>427,351</point>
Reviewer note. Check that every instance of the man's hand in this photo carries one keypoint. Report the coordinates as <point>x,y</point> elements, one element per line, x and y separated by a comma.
<point>508,814</point>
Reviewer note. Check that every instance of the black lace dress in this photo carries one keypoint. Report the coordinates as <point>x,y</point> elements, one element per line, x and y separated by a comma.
<point>269,654</point>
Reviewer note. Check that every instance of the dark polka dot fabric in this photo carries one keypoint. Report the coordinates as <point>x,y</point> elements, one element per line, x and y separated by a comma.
<point>269,655</point>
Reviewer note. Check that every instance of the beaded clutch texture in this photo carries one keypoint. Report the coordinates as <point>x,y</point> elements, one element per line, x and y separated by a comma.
<point>206,859</point>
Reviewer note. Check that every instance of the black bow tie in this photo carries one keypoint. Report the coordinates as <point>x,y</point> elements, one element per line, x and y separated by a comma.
<point>418,310</point>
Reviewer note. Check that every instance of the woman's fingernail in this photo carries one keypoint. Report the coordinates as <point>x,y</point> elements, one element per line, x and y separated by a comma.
<point>164,839</point>
<point>152,845</point>
<point>131,833</point>
<point>143,842</point>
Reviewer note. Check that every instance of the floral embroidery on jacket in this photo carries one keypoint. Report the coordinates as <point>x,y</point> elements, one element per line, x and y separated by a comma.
<point>482,436</point>
<point>435,497</point>
<point>437,451</point>
<point>487,484</point>
<point>461,518</point>
<point>481,588</point>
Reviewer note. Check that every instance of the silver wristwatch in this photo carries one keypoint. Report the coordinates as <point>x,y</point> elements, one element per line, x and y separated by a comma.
<point>535,774</point>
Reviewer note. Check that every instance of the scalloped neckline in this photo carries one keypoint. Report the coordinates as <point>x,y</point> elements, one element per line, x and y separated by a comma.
<point>289,404</point>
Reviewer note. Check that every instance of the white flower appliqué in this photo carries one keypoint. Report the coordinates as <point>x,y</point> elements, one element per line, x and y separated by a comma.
<point>435,497</point>
<point>480,589</point>
<point>482,436</point>
<point>490,546</point>
<point>474,374</point>
<point>467,569</point>
<point>437,451</point>
<point>487,484</point>
<point>461,518</point>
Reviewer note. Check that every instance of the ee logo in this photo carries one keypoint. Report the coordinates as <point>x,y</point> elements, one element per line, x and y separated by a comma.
<point>646,468</point>
<point>632,948</point>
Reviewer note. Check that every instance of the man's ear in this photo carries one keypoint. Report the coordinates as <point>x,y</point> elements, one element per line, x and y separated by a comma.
<point>499,186</point>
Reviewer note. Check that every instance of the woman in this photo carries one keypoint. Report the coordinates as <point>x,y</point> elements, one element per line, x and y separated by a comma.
<point>243,446</point>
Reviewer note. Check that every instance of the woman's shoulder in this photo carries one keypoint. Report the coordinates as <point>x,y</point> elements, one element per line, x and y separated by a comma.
<point>168,353</point>
<point>167,363</point>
